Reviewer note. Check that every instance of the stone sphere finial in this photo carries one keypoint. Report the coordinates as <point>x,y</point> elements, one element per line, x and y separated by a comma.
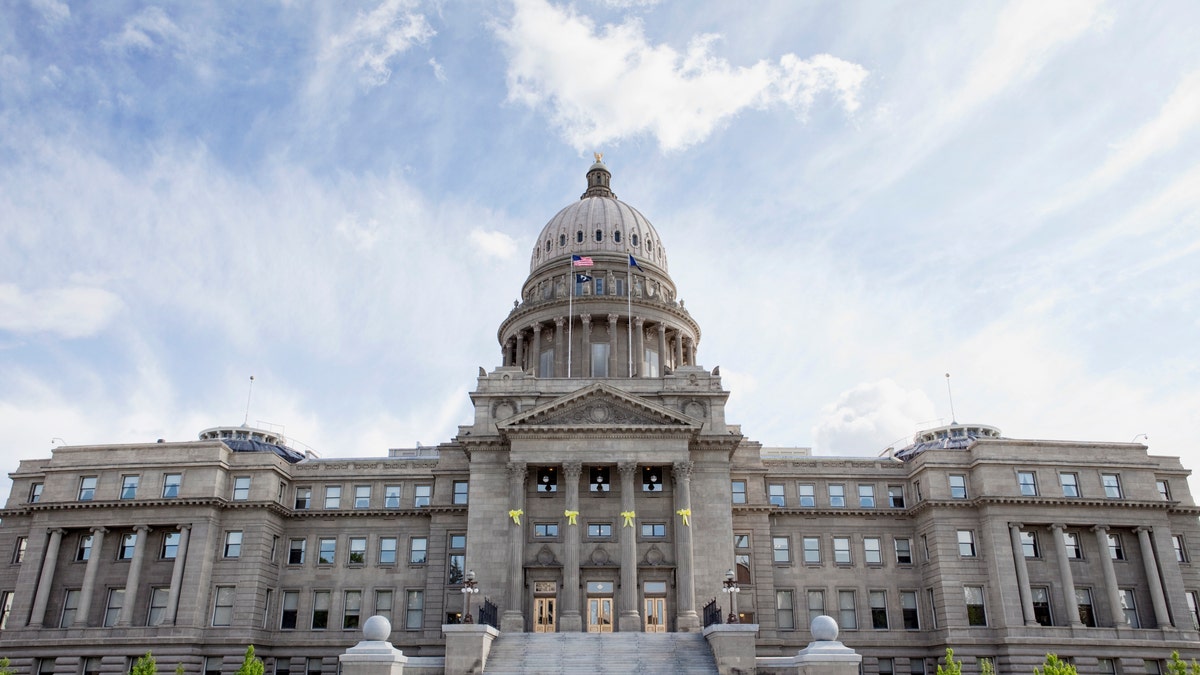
<point>378,628</point>
<point>823,628</point>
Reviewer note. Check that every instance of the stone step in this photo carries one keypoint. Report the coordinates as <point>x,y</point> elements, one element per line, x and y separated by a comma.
<point>592,653</point>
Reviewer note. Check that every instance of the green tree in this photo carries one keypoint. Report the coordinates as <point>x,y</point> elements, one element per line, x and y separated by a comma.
<point>1177,666</point>
<point>1053,666</point>
<point>179,668</point>
<point>986,667</point>
<point>952,667</point>
<point>145,666</point>
<point>251,664</point>
<point>5,669</point>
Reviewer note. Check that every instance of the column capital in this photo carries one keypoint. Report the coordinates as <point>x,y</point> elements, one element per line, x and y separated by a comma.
<point>1100,527</point>
<point>99,530</point>
<point>559,321</point>
<point>1144,528</point>
<point>55,530</point>
<point>141,529</point>
<point>662,329</point>
<point>535,326</point>
<point>1058,527</point>
<point>627,468</point>
<point>682,470</point>
<point>572,470</point>
<point>1016,526</point>
<point>612,318</point>
<point>586,319</point>
<point>516,470</point>
<point>184,527</point>
<point>638,322</point>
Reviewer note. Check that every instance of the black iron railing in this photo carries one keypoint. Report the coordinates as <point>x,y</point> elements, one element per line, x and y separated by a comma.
<point>712,613</point>
<point>488,613</point>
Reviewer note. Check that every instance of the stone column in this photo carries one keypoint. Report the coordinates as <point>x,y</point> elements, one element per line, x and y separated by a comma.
<point>1156,590</point>
<point>519,357</point>
<point>513,620</point>
<point>662,348</point>
<point>1066,579</point>
<point>691,351</point>
<point>1110,576</point>
<point>177,575</point>
<point>639,351</point>
<point>535,356</point>
<point>560,347</point>
<point>1014,530</point>
<point>585,361</point>
<point>612,345</point>
<point>686,619</point>
<point>570,620</point>
<point>46,580</point>
<point>89,578</point>
<point>630,618</point>
<point>134,577</point>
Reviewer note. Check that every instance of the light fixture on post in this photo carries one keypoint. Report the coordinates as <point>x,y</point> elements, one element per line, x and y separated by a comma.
<point>469,588</point>
<point>731,587</point>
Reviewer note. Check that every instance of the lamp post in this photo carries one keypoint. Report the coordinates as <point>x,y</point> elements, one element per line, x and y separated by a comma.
<point>469,588</point>
<point>731,587</point>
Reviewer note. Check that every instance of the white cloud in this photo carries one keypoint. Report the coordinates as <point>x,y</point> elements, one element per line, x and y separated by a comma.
<point>71,312</point>
<point>377,37</point>
<point>53,12</point>
<point>438,71</point>
<point>493,244</point>
<point>147,31</point>
<point>627,4</point>
<point>361,233</point>
<point>869,418</point>
<point>602,85</point>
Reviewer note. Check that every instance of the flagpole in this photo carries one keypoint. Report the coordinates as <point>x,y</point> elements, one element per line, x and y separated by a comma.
<point>570,308</point>
<point>629,309</point>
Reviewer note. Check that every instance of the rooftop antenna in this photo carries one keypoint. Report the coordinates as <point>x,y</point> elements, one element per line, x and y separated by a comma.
<point>949,394</point>
<point>246,420</point>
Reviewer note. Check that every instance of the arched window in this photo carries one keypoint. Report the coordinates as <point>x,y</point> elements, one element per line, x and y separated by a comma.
<point>579,237</point>
<point>633,239</point>
<point>562,240</point>
<point>599,235</point>
<point>547,244</point>
<point>617,236</point>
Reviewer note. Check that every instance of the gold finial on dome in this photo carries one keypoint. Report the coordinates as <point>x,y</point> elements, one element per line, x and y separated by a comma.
<point>598,155</point>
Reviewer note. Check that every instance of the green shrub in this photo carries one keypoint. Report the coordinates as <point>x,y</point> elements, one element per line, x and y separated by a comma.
<point>952,667</point>
<point>251,664</point>
<point>145,666</point>
<point>1053,666</point>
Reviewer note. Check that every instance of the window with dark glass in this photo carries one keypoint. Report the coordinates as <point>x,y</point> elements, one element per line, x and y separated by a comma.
<point>1083,597</point>
<point>303,498</point>
<point>879,613</point>
<point>84,550</point>
<point>326,550</point>
<point>652,479</point>
<point>170,546</point>
<point>1071,545</point>
<point>128,543</point>
<point>1041,605</point>
<point>1129,607</point>
<point>896,496</point>
<point>547,479</point>
<point>35,492</point>
<point>233,544</point>
<point>976,610</point>
<point>1029,545</point>
<point>909,610</point>
<point>320,612</point>
<point>288,609</point>
<point>598,479</point>
<point>903,551</point>
<point>296,551</point>
<point>1164,490</point>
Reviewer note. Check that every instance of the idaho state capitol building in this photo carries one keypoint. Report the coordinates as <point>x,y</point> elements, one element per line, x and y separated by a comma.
<point>599,491</point>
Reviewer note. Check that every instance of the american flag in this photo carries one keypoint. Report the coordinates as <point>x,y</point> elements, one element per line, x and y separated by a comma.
<point>581,261</point>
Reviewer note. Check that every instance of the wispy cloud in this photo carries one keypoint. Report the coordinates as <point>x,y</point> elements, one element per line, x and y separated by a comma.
<point>70,312</point>
<point>377,37</point>
<point>493,244</point>
<point>149,30</point>
<point>870,417</point>
<point>53,12</point>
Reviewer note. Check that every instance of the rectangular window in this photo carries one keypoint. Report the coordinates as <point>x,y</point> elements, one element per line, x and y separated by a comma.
<point>785,612</point>
<point>1083,597</point>
<point>739,491</point>
<point>1112,485</point>
<point>775,495</point>
<point>70,606</point>
<point>170,546</point>
<point>741,541</point>
<point>268,597</point>
<point>387,550</point>
<point>1107,666</point>
<point>599,358</point>
<point>422,495</point>
<point>233,544</point>
<point>326,550</point>
<point>1129,607</point>
<point>91,665</point>
<point>296,551</point>
<point>320,612</point>
<point>333,497</point>
<point>274,547</point>
<point>599,530</point>
<point>129,486</point>
<point>212,665</point>
<point>158,605</point>
<point>976,612</point>
<point>415,610</point>
<point>87,488</point>
<point>461,492</point>
<point>879,615</point>
<point>303,498</point>
<point>1193,601</point>
<point>837,495</point>
<point>654,530</point>
<point>1027,482</point>
<point>925,548</point>
<point>172,482</point>
<point>816,605</point>
<point>806,494</point>
<point>455,571</point>
<point>1164,490</point>
<point>1180,550</point>
<point>383,604</point>
<point>812,550</point>
<point>313,666</point>
<point>391,496</point>
<point>1029,545</point>
<point>128,544</point>
<point>866,496</point>
<point>782,549</point>
<point>1071,545</point>
<point>966,543</point>
<point>362,496</point>
<point>886,667</point>
<point>417,550</point>
<point>545,530</point>
<point>958,486</point>
<point>916,667</point>
<point>847,616</point>
<point>241,488</point>
<point>841,551</point>
<point>1153,667</point>
<point>351,610</point>
<point>35,492</point>
<point>6,600</point>
<point>908,607</point>
<point>358,551</point>
<point>873,550</point>
<point>903,551</point>
<point>112,607</point>
<point>932,607</point>
<point>223,606</point>
<point>288,610</point>
<point>896,496</point>
<point>84,550</point>
<point>1069,483</point>
<point>1041,605</point>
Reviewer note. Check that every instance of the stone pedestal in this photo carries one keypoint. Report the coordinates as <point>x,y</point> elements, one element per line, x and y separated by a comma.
<point>732,646</point>
<point>467,647</point>
<point>825,655</point>
<point>374,655</point>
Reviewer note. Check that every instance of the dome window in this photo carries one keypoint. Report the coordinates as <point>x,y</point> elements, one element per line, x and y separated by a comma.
<point>633,239</point>
<point>617,236</point>
<point>599,235</point>
<point>562,240</point>
<point>579,237</point>
<point>547,244</point>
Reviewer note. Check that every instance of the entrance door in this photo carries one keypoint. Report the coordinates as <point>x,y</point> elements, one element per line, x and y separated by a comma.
<point>600,612</point>
<point>543,615</point>
<point>656,615</point>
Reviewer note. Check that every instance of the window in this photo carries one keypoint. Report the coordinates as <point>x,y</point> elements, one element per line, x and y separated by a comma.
<point>741,566</point>
<point>1164,490</point>
<point>599,358</point>
<point>976,612</point>
<point>1041,605</point>
<point>274,546</point>
<point>1116,549</point>
<point>333,496</point>
<point>775,495</point>
<point>288,610</point>
<point>841,551</point>
<point>128,544</point>
<point>233,544</point>
<point>1129,607</point>
<point>362,496</point>
<point>351,610</point>
<point>782,549</point>
<point>422,495</point>
<point>387,550</point>
<point>812,550</point>
<point>326,550</point>
<point>303,498</point>
<point>417,549</point>
<point>91,665</point>
<point>458,541</point>
<point>1071,545</point>
<point>579,237</point>
<point>212,665</point>
<point>267,597</point>
<point>6,600</point>
<point>1083,597</point>
<point>741,541</point>
<point>70,606</point>
<point>1153,667</point>
<point>129,486</point>
<point>599,285</point>
<point>598,480</point>
<point>816,605</point>
<point>1193,601</point>
<point>1106,666</point>
<point>739,491</point>
<point>383,604</point>
<point>87,488</point>
<point>456,565</point>
<point>415,610</point>
<point>158,605</point>
<point>908,608</point>
<point>35,492</point>
<point>837,495</point>
<point>82,552</point>
<point>932,607</point>
<point>223,606</point>
<point>1027,482</point>
<point>320,611</point>
<point>599,530</point>
<point>886,667</point>
<point>873,550</point>
<point>279,498</point>
<point>1069,483</point>
<point>241,488</point>
<point>112,608</point>
<point>296,551</point>
<point>966,543</point>
<point>903,551</point>
<point>358,551</point>
<point>1180,550</point>
<point>654,530</point>
<point>460,491</point>
<point>866,496</point>
<point>1029,545</point>
<point>170,546</point>
<point>896,496</point>
<point>313,666</point>
<point>916,666</point>
<point>1112,485</point>
<point>171,484</point>
<point>545,530</point>
<point>847,616</point>
<point>807,494</point>
<point>879,615</point>
<point>925,548</point>
<point>391,496</point>
<point>785,612</point>
<point>958,486</point>
<point>599,235</point>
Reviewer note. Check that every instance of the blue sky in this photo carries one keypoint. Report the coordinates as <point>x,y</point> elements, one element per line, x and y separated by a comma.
<point>855,197</point>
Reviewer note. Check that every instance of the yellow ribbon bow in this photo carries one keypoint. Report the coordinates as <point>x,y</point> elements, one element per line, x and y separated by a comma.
<point>628,516</point>
<point>515,514</point>
<point>571,515</point>
<point>687,515</point>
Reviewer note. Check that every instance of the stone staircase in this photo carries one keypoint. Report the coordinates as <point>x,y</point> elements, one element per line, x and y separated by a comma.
<point>600,654</point>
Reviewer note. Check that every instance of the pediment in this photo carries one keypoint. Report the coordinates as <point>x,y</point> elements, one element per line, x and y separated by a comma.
<point>600,406</point>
